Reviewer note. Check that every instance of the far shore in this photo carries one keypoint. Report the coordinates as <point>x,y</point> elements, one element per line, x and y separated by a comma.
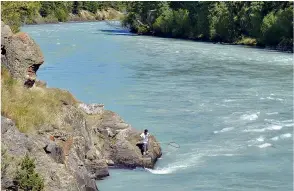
<point>283,49</point>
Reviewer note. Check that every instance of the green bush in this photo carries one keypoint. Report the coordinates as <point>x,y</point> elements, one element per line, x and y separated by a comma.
<point>181,25</point>
<point>246,41</point>
<point>26,176</point>
<point>15,13</point>
<point>277,27</point>
<point>5,160</point>
<point>173,23</point>
<point>222,23</point>
<point>164,23</point>
<point>61,15</point>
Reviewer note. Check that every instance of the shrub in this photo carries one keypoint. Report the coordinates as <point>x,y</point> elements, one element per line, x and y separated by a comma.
<point>277,27</point>
<point>181,24</point>
<point>15,13</point>
<point>5,160</point>
<point>143,29</point>
<point>61,15</point>
<point>26,176</point>
<point>247,41</point>
<point>164,23</point>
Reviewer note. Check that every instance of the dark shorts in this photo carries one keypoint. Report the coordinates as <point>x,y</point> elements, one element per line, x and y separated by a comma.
<point>143,147</point>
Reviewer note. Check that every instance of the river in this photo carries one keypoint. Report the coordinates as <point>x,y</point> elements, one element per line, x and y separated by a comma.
<point>229,108</point>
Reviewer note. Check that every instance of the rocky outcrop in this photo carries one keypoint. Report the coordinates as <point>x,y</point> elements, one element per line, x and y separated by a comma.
<point>20,54</point>
<point>117,141</point>
<point>76,148</point>
<point>86,15</point>
<point>82,16</point>
<point>108,14</point>
<point>55,175</point>
<point>92,109</point>
<point>64,152</point>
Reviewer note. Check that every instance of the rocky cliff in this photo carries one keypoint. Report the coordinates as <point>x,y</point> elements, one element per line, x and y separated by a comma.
<point>83,15</point>
<point>76,142</point>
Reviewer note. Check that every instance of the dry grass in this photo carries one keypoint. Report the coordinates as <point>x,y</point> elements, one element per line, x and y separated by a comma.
<point>31,108</point>
<point>247,41</point>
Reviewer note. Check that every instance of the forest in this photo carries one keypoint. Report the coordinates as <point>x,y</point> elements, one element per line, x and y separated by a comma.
<point>235,22</point>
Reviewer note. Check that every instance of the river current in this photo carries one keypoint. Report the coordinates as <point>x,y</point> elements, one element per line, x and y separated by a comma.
<point>229,108</point>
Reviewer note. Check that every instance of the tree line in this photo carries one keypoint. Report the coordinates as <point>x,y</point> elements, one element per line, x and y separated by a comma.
<point>254,23</point>
<point>15,13</point>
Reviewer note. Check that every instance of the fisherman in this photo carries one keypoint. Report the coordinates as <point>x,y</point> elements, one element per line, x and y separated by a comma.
<point>144,137</point>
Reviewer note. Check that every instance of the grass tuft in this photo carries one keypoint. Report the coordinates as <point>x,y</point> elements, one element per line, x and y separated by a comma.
<point>34,107</point>
<point>247,41</point>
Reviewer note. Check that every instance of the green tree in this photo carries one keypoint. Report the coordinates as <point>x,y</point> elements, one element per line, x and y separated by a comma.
<point>164,23</point>
<point>26,176</point>
<point>47,8</point>
<point>76,7</point>
<point>277,27</point>
<point>15,13</point>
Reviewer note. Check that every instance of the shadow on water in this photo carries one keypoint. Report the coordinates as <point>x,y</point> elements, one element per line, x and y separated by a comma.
<point>115,32</point>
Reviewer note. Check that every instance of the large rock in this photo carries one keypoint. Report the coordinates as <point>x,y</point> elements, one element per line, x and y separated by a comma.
<point>92,109</point>
<point>20,54</point>
<point>117,141</point>
<point>55,175</point>
<point>75,138</point>
<point>68,162</point>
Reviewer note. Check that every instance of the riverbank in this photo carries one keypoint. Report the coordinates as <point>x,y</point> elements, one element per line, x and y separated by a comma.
<point>82,16</point>
<point>255,24</point>
<point>247,42</point>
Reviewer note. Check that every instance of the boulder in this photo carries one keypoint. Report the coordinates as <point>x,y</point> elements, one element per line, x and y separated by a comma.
<point>97,168</point>
<point>21,55</point>
<point>55,152</point>
<point>5,32</point>
<point>92,109</point>
<point>117,141</point>
<point>86,15</point>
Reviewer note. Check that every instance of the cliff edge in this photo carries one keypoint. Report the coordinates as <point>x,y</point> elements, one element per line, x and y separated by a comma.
<point>73,143</point>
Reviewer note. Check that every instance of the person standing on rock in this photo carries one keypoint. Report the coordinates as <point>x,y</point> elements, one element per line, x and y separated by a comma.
<point>145,136</point>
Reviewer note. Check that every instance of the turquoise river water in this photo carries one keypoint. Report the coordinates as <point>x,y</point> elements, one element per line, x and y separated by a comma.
<point>230,108</point>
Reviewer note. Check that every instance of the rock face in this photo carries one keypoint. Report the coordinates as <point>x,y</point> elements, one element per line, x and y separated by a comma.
<point>108,14</point>
<point>92,109</point>
<point>20,54</point>
<point>86,15</point>
<point>84,139</point>
<point>117,141</point>
<point>55,175</point>
<point>83,15</point>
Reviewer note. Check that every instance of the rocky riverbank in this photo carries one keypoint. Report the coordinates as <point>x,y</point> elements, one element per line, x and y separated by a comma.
<point>73,143</point>
<point>82,16</point>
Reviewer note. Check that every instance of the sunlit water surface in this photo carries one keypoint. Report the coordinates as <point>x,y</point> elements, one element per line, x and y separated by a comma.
<point>229,108</point>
